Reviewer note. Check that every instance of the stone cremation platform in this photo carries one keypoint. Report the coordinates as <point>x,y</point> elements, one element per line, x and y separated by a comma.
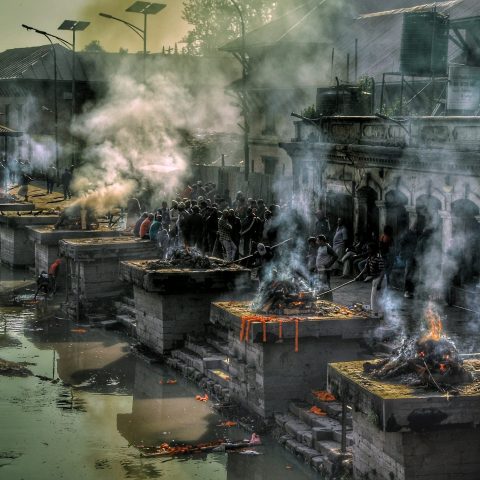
<point>16,206</point>
<point>16,246</point>
<point>407,433</point>
<point>274,358</point>
<point>46,241</point>
<point>93,269</point>
<point>171,302</point>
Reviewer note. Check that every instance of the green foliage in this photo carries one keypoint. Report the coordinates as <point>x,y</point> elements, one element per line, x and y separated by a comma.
<point>94,46</point>
<point>365,84</point>
<point>216,22</point>
<point>310,112</point>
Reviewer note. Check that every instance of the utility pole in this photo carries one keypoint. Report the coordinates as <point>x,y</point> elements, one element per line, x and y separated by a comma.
<point>244,94</point>
<point>144,8</point>
<point>49,37</point>
<point>74,26</point>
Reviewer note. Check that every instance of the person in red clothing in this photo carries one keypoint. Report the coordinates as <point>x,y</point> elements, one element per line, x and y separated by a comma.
<point>145,227</point>
<point>52,275</point>
<point>386,248</point>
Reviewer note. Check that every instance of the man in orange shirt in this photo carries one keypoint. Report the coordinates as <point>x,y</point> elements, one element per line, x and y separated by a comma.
<point>145,226</point>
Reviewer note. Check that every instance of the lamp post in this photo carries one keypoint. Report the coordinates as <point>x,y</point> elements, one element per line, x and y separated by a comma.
<point>73,26</point>
<point>145,8</point>
<point>49,37</point>
<point>244,103</point>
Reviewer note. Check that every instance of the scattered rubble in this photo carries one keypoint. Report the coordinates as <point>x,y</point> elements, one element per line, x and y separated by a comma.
<point>14,369</point>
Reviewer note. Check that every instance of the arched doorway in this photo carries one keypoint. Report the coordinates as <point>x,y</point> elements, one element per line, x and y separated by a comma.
<point>368,218</point>
<point>340,205</point>
<point>397,215</point>
<point>428,208</point>
<point>466,241</point>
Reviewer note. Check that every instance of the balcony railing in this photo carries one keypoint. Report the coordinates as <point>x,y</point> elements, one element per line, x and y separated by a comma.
<point>451,133</point>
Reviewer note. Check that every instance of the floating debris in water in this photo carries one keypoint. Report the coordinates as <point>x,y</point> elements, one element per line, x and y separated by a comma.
<point>170,381</point>
<point>14,369</point>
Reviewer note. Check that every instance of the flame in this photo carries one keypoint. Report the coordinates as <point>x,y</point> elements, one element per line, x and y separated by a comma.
<point>442,368</point>
<point>435,325</point>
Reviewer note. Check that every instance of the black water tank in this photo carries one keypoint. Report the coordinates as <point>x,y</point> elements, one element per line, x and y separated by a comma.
<point>424,49</point>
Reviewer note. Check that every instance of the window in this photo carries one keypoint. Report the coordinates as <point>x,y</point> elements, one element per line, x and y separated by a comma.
<point>269,165</point>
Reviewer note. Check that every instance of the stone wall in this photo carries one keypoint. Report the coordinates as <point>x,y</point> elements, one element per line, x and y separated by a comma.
<point>45,255</point>
<point>449,454</point>
<point>164,320</point>
<point>266,376</point>
<point>17,250</point>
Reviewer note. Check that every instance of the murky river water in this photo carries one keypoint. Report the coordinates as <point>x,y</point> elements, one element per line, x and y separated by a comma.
<point>106,400</point>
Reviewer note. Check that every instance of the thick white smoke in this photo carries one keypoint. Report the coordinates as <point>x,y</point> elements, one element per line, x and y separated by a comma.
<point>133,141</point>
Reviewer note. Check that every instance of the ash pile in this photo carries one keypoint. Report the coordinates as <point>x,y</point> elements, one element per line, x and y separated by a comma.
<point>431,361</point>
<point>191,259</point>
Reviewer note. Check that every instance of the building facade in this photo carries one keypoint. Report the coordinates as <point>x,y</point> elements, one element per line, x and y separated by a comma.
<point>423,172</point>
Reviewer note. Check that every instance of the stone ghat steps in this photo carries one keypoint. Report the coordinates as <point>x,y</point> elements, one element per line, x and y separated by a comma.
<point>316,439</point>
<point>203,371</point>
<point>126,315</point>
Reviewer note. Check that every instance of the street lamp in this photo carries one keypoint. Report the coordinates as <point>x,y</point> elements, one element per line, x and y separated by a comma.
<point>49,37</point>
<point>243,60</point>
<point>145,8</point>
<point>73,26</point>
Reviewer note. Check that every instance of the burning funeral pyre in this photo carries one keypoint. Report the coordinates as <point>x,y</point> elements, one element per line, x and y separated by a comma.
<point>294,297</point>
<point>191,259</point>
<point>430,361</point>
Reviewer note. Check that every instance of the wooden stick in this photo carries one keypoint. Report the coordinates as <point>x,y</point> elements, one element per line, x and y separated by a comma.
<point>336,288</point>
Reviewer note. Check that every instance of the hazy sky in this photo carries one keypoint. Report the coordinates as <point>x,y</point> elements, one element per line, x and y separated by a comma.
<point>165,28</point>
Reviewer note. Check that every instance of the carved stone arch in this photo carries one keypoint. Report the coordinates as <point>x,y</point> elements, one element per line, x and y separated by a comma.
<point>459,195</point>
<point>369,180</point>
<point>435,193</point>
<point>400,187</point>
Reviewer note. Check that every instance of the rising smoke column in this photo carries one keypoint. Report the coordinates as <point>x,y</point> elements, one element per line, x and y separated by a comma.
<point>133,141</point>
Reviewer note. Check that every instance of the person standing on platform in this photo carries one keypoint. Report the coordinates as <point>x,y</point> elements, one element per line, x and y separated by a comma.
<point>375,271</point>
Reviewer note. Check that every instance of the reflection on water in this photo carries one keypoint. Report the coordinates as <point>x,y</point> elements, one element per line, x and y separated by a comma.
<point>95,400</point>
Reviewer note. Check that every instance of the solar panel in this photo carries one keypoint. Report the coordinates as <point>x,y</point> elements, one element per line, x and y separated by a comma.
<point>147,8</point>
<point>73,25</point>
<point>80,26</point>
<point>67,25</point>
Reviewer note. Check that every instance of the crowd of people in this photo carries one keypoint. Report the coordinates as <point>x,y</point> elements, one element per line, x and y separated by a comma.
<point>213,224</point>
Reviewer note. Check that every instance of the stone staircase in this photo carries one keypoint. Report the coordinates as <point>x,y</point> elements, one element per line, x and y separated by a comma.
<point>201,362</point>
<point>126,315</point>
<point>316,439</point>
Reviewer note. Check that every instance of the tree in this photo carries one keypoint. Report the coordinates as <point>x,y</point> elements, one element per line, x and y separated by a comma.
<point>216,22</point>
<point>94,46</point>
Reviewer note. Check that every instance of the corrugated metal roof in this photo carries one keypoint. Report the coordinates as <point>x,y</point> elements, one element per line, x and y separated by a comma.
<point>418,8</point>
<point>295,26</point>
<point>379,36</point>
<point>8,132</point>
<point>36,63</point>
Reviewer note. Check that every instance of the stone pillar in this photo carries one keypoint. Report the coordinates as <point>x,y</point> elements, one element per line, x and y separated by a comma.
<point>412,215</point>
<point>447,267</point>
<point>446,217</point>
<point>382,215</point>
